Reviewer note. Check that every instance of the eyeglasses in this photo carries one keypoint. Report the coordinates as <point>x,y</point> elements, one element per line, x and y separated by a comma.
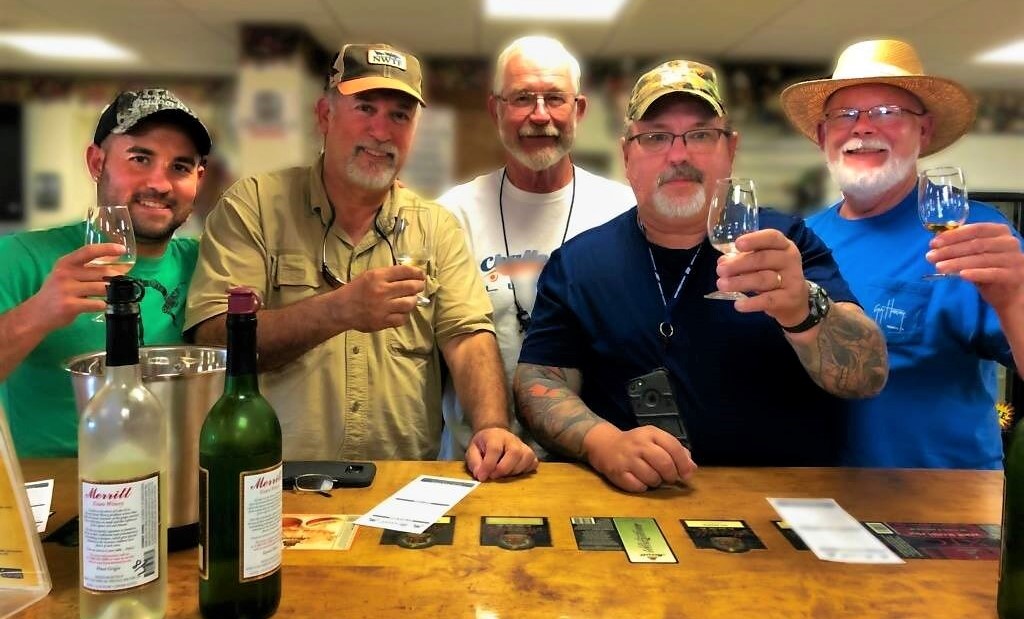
<point>699,141</point>
<point>325,271</point>
<point>880,115</point>
<point>314,482</point>
<point>527,100</point>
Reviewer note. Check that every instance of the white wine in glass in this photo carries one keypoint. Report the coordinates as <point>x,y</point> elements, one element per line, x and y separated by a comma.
<point>111,224</point>
<point>942,203</point>
<point>414,240</point>
<point>733,213</point>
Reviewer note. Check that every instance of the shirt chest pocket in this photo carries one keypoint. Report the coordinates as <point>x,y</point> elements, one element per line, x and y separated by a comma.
<point>294,277</point>
<point>900,307</point>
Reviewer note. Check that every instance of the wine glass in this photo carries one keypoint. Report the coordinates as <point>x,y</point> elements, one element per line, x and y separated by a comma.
<point>733,213</point>
<point>942,202</point>
<point>111,224</point>
<point>414,239</point>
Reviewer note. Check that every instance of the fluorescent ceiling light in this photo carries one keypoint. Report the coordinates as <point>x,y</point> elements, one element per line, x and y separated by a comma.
<point>548,10</point>
<point>1012,53</point>
<point>75,47</point>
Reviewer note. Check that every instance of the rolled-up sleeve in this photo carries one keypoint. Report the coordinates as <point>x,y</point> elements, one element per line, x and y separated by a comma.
<point>462,302</point>
<point>232,252</point>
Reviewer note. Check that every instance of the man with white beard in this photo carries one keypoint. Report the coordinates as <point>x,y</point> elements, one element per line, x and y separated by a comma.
<point>348,358</point>
<point>624,345</point>
<point>877,114</point>
<point>514,217</point>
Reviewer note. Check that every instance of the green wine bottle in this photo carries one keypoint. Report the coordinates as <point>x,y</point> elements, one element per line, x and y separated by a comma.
<point>1010,602</point>
<point>240,484</point>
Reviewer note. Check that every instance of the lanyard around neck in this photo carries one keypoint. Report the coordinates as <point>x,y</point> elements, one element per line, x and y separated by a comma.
<point>665,329</point>
<point>523,316</point>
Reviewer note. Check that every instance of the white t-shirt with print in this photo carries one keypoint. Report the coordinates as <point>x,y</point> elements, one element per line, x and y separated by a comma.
<point>535,224</point>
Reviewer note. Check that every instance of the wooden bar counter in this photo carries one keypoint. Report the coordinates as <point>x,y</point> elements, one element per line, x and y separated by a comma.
<point>468,580</point>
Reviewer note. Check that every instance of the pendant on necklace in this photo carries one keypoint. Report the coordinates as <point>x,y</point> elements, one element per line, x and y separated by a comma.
<point>666,331</point>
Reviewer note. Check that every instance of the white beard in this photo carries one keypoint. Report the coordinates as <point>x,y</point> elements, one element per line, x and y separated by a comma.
<point>867,185</point>
<point>679,208</point>
<point>546,157</point>
<point>376,179</point>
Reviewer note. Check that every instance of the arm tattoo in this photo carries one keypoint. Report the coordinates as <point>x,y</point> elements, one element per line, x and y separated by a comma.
<point>548,403</point>
<point>848,357</point>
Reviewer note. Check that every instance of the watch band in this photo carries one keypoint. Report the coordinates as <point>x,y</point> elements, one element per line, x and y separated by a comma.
<point>818,305</point>
<point>811,320</point>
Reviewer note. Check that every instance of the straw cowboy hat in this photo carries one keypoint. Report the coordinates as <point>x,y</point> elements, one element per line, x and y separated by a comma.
<point>885,62</point>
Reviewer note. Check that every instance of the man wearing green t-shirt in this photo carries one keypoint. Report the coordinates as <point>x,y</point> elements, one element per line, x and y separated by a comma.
<point>148,153</point>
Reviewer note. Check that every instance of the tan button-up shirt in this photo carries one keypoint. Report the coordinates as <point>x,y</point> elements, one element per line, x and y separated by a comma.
<point>357,395</point>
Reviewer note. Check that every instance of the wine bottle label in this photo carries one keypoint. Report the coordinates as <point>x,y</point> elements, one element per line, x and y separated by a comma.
<point>204,523</point>
<point>120,542</point>
<point>260,510</point>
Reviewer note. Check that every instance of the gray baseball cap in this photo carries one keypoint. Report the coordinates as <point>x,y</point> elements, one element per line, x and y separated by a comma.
<point>130,107</point>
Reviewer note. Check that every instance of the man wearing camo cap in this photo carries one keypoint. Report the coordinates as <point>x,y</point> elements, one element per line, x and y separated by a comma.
<point>624,345</point>
<point>147,153</point>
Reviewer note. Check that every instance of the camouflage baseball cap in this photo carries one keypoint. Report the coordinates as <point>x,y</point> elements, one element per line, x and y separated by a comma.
<point>685,76</point>
<point>358,68</point>
<point>131,107</point>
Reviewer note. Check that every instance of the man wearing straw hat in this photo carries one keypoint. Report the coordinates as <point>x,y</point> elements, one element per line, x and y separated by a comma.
<point>873,119</point>
<point>624,344</point>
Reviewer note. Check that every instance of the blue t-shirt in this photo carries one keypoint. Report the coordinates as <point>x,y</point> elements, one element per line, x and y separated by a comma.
<point>937,409</point>
<point>744,396</point>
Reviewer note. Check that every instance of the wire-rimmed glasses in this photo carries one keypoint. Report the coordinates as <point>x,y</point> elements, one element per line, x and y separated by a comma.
<point>318,483</point>
<point>700,141</point>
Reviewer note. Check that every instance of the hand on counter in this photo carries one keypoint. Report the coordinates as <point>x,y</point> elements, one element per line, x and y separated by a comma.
<point>637,459</point>
<point>496,452</point>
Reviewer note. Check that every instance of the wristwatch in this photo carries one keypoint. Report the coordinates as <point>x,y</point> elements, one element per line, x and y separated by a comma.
<point>818,305</point>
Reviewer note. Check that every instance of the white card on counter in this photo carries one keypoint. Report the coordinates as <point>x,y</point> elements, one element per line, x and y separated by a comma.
<point>40,494</point>
<point>419,504</point>
<point>831,533</point>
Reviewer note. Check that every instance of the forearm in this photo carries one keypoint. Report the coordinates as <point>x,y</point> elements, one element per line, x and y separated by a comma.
<point>20,333</point>
<point>283,335</point>
<point>548,403</point>
<point>479,379</point>
<point>845,354</point>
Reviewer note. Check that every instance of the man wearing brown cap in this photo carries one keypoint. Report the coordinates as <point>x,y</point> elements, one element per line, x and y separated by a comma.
<point>624,346</point>
<point>147,153</point>
<point>350,361</point>
<point>873,119</point>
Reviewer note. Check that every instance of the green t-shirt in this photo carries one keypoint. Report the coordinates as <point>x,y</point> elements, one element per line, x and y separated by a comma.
<point>38,395</point>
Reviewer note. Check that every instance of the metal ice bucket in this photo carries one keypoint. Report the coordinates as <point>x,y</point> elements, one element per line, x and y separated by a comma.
<point>187,380</point>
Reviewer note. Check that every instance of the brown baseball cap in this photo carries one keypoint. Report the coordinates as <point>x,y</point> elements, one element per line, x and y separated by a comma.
<point>359,67</point>
<point>684,76</point>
